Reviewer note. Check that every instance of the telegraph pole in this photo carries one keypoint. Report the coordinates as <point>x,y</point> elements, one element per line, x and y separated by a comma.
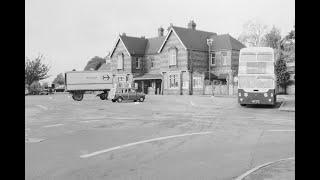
<point>209,43</point>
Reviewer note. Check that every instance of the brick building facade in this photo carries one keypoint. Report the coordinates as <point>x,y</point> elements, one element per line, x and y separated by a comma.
<point>177,63</point>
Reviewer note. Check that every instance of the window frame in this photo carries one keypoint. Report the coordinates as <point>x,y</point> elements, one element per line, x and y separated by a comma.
<point>213,57</point>
<point>138,62</point>
<point>173,81</point>
<point>120,58</point>
<point>173,53</point>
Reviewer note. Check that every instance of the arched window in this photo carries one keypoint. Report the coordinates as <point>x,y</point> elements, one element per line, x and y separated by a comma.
<point>173,56</point>
<point>120,61</point>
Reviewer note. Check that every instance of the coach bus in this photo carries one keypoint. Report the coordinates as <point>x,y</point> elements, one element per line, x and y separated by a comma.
<point>256,76</point>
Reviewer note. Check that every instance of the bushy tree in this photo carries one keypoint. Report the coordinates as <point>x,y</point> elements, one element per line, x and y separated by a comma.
<point>35,87</point>
<point>282,74</point>
<point>35,70</point>
<point>272,38</point>
<point>59,79</point>
<point>253,33</point>
<point>94,63</point>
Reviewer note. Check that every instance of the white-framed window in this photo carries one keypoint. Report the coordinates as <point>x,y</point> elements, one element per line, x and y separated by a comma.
<point>197,82</point>
<point>213,58</point>
<point>173,81</point>
<point>173,57</point>
<point>120,61</point>
<point>224,58</point>
<point>121,79</point>
<point>138,63</point>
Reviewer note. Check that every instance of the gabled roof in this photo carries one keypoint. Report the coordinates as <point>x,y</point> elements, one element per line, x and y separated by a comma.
<point>135,46</point>
<point>226,42</point>
<point>190,39</point>
<point>154,44</point>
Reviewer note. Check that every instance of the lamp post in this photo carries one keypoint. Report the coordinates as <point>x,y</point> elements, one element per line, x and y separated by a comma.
<point>209,43</point>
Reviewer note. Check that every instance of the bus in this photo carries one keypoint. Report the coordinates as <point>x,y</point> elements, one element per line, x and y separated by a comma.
<point>256,76</point>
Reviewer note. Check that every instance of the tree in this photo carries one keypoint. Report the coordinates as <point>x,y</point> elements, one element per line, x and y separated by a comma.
<point>35,87</point>
<point>35,70</point>
<point>59,79</point>
<point>282,74</point>
<point>253,33</point>
<point>272,38</point>
<point>94,63</point>
<point>45,85</point>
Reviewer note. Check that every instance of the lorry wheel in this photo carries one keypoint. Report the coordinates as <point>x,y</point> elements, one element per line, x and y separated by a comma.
<point>141,99</point>
<point>113,100</point>
<point>102,97</point>
<point>242,104</point>
<point>119,99</point>
<point>77,96</point>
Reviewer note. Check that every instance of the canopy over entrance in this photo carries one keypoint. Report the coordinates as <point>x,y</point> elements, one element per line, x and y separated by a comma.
<point>148,76</point>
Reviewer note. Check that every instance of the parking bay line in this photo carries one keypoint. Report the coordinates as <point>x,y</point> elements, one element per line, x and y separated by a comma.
<point>281,130</point>
<point>53,125</point>
<point>42,107</point>
<point>141,142</point>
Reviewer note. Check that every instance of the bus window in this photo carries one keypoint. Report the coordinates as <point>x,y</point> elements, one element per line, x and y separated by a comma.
<point>248,56</point>
<point>265,56</point>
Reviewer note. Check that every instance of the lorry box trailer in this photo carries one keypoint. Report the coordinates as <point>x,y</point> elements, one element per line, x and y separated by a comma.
<point>78,82</point>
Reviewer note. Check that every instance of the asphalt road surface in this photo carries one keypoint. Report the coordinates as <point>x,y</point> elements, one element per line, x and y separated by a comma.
<point>165,137</point>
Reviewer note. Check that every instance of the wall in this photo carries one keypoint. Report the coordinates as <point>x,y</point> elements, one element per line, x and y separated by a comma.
<point>120,48</point>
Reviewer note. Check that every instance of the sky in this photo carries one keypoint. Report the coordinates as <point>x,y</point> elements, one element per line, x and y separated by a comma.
<point>70,32</point>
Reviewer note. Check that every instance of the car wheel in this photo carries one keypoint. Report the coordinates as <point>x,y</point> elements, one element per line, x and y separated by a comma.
<point>119,100</point>
<point>113,100</point>
<point>242,104</point>
<point>141,99</point>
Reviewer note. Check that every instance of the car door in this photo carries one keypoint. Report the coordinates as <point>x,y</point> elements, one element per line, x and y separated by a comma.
<point>132,94</point>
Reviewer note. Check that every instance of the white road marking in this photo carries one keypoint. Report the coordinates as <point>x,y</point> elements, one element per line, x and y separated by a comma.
<point>261,166</point>
<point>53,125</point>
<point>281,130</point>
<point>89,121</point>
<point>141,142</point>
<point>42,107</point>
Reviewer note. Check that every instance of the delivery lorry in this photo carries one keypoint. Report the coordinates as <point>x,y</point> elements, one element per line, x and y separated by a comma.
<point>79,82</point>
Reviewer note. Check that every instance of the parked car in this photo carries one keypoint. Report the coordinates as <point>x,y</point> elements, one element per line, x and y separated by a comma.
<point>126,94</point>
<point>44,92</point>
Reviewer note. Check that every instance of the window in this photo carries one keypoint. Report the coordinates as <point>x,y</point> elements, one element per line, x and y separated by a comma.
<point>213,59</point>
<point>173,57</point>
<point>138,62</point>
<point>120,61</point>
<point>152,62</point>
<point>173,81</point>
<point>121,79</point>
<point>224,58</point>
<point>197,83</point>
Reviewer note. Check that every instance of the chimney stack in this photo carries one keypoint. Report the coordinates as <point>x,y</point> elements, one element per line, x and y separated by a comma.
<point>160,32</point>
<point>192,25</point>
<point>123,34</point>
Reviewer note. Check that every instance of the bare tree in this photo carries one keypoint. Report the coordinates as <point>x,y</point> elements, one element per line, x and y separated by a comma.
<point>253,33</point>
<point>35,70</point>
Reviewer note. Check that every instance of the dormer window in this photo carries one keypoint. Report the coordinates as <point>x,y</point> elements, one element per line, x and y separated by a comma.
<point>173,57</point>
<point>120,61</point>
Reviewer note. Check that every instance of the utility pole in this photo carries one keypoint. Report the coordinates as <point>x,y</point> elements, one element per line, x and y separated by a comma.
<point>209,43</point>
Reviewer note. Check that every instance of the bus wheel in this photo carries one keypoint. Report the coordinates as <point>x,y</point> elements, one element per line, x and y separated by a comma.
<point>77,96</point>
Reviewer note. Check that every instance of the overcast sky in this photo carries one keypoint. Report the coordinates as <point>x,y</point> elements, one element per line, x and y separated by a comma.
<point>70,32</point>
